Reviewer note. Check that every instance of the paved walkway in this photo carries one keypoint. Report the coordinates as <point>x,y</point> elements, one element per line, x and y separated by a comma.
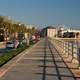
<point>42,62</point>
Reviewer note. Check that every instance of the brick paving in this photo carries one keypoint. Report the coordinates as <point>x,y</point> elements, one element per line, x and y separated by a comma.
<point>42,62</point>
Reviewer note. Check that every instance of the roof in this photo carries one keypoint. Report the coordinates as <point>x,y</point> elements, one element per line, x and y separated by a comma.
<point>49,27</point>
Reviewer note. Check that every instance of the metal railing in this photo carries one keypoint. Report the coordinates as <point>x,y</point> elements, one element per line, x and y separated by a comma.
<point>68,47</point>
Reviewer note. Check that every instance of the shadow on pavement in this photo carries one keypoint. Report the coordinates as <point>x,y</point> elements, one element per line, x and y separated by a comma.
<point>58,73</point>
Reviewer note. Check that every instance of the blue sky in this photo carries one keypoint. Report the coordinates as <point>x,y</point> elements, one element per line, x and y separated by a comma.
<point>42,12</point>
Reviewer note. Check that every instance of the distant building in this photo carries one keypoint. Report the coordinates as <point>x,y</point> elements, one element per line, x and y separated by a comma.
<point>75,31</point>
<point>49,32</point>
<point>71,30</point>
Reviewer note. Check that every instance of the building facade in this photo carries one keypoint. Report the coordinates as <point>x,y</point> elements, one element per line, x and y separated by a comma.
<point>73,31</point>
<point>49,32</point>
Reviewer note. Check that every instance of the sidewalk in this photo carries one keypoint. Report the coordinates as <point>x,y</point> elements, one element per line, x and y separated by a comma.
<point>41,62</point>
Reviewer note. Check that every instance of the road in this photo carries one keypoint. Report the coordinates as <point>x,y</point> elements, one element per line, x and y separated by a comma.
<point>42,62</point>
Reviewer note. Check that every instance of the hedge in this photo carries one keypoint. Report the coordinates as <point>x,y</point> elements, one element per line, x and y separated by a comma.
<point>9,55</point>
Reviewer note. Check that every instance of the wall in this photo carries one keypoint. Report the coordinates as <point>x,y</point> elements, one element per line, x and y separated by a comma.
<point>51,33</point>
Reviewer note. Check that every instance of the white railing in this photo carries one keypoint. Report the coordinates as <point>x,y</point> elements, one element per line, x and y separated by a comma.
<point>68,47</point>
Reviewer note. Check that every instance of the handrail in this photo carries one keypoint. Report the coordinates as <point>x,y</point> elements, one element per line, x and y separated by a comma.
<point>69,47</point>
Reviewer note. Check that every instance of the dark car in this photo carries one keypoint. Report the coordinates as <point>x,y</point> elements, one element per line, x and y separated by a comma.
<point>69,35</point>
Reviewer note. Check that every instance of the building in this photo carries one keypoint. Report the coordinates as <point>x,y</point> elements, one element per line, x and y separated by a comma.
<point>75,31</point>
<point>71,30</point>
<point>49,32</point>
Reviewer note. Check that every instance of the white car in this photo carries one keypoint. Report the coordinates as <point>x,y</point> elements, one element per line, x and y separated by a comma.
<point>9,45</point>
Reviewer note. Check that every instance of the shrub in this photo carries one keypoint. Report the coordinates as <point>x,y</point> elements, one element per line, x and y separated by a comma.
<point>9,55</point>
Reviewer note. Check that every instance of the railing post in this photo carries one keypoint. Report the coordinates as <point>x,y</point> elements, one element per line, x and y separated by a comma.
<point>64,47</point>
<point>78,52</point>
<point>68,48</point>
<point>79,57</point>
<point>72,52</point>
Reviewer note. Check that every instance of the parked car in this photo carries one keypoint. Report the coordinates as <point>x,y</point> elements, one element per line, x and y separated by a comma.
<point>9,45</point>
<point>69,35</point>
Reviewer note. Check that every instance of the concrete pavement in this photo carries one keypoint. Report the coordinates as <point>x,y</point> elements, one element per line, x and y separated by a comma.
<point>42,62</point>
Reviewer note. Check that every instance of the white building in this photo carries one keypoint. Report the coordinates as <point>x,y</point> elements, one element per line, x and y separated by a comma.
<point>71,30</point>
<point>49,32</point>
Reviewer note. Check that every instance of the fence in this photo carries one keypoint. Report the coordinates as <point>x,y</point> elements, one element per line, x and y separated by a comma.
<point>68,47</point>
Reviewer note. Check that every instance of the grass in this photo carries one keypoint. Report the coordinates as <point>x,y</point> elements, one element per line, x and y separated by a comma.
<point>9,55</point>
